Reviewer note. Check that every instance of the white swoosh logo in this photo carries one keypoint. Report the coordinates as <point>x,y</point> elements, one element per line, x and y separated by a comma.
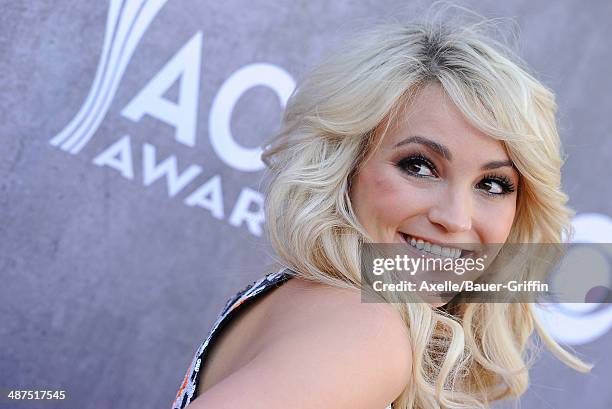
<point>127,22</point>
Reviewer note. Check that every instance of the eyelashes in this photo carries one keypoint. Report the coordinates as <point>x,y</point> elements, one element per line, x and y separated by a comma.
<point>418,165</point>
<point>502,180</point>
<point>411,163</point>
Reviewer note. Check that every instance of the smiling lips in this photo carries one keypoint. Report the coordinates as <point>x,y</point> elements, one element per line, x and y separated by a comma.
<point>434,249</point>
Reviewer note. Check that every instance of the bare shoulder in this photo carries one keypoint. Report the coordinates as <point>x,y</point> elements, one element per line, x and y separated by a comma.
<point>336,353</point>
<point>372,335</point>
<point>339,312</point>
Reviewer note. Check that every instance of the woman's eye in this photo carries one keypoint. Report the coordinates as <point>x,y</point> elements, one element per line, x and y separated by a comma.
<point>417,166</point>
<point>492,187</point>
<point>496,186</point>
<point>420,169</point>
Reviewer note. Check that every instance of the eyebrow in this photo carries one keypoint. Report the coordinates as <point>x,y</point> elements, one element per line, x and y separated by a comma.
<point>434,146</point>
<point>445,152</point>
<point>498,164</point>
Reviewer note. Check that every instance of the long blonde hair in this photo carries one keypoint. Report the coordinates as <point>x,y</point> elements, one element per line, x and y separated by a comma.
<point>329,127</point>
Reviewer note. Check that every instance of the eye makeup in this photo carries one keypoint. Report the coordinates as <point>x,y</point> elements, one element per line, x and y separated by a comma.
<point>419,165</point>
<point>502,180</point>
<point>408,163</point>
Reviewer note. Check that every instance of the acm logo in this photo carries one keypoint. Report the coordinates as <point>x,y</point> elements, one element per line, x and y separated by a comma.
<point>126,24</point>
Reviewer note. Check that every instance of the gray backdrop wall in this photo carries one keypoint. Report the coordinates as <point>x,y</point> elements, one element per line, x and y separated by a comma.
<point>130,197</point>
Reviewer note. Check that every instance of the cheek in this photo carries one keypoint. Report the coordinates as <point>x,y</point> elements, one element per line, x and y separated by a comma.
<point>496,222</point>
<point>379,197</point>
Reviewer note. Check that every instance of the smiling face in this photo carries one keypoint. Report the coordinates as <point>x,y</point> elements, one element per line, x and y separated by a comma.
<point>436,178</point>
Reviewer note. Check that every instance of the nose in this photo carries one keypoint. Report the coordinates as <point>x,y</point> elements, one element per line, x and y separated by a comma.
<point>453,212</point>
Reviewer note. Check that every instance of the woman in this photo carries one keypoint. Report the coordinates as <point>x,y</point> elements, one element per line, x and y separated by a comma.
<point>428,134</point>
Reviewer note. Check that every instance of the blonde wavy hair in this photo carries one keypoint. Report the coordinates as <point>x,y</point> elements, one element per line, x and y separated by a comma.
<point>465,355</point>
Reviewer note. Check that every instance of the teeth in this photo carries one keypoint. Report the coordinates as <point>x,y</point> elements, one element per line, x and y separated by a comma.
<point>435,249</point>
